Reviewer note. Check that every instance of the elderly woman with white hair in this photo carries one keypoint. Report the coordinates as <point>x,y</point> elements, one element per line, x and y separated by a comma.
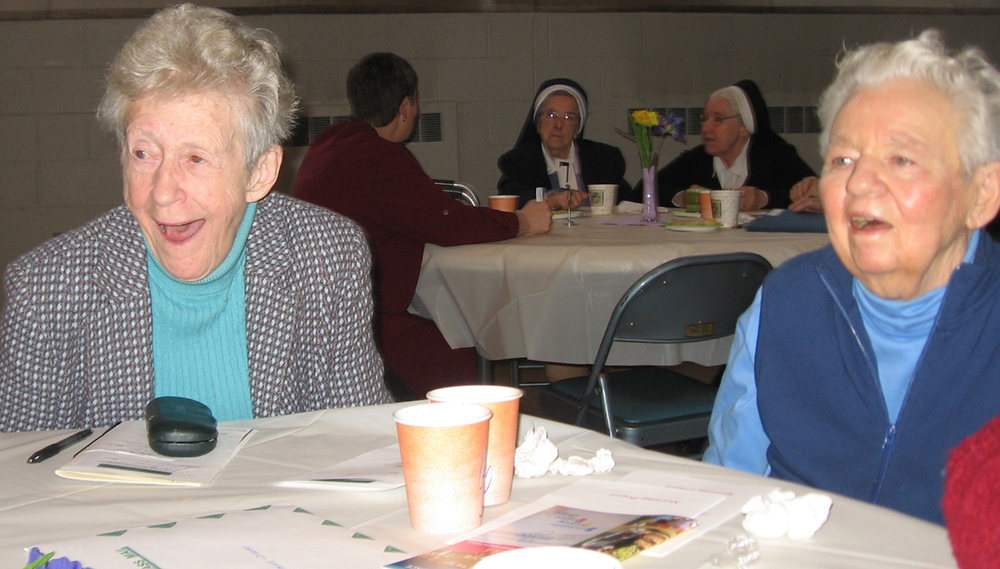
<point>860,366</point>
<point>739,151</point>
<point>551,153</point>
<point>202,285</point>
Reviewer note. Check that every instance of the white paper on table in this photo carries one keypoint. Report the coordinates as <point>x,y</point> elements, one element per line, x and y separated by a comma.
<point>612,497</point>
<point>123,455</point>
<point>265,538</point>
<point>373,471</point>
<point>733,497</point>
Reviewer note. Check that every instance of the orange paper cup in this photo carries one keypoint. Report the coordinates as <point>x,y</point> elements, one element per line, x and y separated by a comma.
<point>705,199</point>
<point>505,402</point>
<point>444,465</point>
<point>503,203</point>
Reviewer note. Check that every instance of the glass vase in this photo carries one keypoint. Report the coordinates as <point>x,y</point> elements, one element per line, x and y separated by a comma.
<point>650,197</point>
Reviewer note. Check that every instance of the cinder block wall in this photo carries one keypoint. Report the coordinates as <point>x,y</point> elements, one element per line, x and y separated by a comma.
<point>58,170</point>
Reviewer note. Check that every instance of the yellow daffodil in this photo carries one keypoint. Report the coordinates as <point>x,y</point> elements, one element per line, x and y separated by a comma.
<point>646,117</point>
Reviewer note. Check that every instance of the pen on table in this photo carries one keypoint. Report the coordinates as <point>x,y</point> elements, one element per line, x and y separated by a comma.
<point>54,448</point>
<point>88,445</point>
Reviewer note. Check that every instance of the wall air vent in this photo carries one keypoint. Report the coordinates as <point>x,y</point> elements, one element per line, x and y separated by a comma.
<point>784,120</point>
<point>434,141</point>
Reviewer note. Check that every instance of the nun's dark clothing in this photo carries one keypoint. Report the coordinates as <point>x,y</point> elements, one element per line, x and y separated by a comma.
<point>773,165</point>
<point>523,168</point>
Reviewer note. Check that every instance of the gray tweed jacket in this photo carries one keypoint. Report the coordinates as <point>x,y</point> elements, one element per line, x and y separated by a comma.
<point>76,336</point>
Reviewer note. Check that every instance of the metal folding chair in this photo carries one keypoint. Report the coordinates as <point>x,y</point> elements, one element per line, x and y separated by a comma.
<point>689,299</point>
<point>461,191</point>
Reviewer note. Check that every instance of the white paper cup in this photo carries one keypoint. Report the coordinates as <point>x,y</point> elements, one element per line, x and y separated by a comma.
<point>549,558</point>
<point>505,403</point>
<point>726,206</point>
<point>602,198</point>
<point>443,447</point>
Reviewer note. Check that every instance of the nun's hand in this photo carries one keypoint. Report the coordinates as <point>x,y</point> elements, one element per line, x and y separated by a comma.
<point>561,200</point>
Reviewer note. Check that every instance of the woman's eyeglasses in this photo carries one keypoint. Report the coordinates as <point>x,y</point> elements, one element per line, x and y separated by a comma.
<point>553,116</point>
<point>716,120</point>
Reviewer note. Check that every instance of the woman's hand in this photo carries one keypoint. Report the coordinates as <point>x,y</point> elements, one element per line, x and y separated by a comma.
<point>535,217</point>
<point>805,195</point>
<point>753,198</point>
<point>560,200</point>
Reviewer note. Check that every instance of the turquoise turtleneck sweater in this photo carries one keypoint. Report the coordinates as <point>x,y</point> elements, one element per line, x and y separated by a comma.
<point>200,334</point>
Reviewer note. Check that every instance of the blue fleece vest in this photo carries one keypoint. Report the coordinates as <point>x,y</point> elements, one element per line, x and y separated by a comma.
<point>819,396</point>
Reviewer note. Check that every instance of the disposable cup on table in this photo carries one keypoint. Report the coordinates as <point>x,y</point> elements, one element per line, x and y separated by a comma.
<point>503,202</point>
<point>692,201</point>
<point>602,198</point>
<point>726,207</point>
<point>705,199</point>
<point>505,404</point>
<point>443,448</point>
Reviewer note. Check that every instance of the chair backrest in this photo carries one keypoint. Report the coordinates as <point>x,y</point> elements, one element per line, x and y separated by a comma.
<point>460,191</point>
<point>689,299</point>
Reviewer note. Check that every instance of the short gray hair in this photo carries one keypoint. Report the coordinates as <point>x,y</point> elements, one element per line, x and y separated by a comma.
<point>966,77</point>
<point>189,49</point>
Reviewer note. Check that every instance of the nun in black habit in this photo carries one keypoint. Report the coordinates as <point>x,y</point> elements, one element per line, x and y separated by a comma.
<point>739,151</point>
<point>551,152</point>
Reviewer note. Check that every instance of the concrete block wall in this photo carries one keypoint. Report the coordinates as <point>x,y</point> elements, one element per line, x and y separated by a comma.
<point>58,169</point>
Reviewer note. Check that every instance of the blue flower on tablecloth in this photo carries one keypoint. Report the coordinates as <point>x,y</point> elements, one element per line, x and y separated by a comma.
<point>54,563</point>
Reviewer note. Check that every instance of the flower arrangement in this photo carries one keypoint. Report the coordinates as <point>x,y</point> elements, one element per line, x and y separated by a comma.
<point>647,124</point>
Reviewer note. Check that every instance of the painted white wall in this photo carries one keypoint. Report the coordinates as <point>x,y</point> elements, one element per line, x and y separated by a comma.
<point>58,170</point>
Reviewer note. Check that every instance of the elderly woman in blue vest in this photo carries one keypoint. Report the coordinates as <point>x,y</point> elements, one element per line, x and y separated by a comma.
<point>551,152</point>
<point>860,366</point>
<point>201,285</point>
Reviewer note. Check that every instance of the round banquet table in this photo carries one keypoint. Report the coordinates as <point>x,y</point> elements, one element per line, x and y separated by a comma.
<point>37,506</point>
<point>549,297</point>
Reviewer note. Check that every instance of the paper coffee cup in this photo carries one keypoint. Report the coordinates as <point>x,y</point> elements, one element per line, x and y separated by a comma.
<point>443,447</point>
<point>726,207</point>
<point>602,198</point>
<point>504,203</point>
<point>692,201</point>
<point>705,201</point>
<point>505,404</point>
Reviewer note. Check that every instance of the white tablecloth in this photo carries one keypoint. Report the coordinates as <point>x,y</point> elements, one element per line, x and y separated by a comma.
<point>37,506</point>
<point>549,297</point>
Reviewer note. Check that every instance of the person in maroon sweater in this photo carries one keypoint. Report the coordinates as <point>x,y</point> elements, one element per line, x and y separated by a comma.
<point>361,169</point>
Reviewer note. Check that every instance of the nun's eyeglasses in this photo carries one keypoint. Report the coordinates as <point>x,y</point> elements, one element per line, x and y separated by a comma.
<point>716,120</point>
<point>553,116</point>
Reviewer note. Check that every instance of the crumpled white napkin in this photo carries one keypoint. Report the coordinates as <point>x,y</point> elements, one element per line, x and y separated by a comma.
<point>578,466</point>
<point>781,513</point>
<point>537,455</point>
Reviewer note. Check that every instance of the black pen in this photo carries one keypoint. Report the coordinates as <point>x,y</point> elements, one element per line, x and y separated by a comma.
<point>54,448</point>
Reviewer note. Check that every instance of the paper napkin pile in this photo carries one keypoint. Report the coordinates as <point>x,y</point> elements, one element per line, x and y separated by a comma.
<point>537,455</point>
<point>781,513</point>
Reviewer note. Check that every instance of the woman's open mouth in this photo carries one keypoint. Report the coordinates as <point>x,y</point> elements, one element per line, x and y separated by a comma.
<point>862,222</point>
<point>179,233</point>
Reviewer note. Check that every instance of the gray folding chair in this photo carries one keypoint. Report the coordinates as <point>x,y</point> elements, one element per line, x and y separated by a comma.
<point>460,191</point>
<point>689,299</point>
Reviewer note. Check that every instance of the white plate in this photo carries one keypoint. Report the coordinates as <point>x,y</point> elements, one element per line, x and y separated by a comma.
<point>692,228</point>
<point>685,213</point>
<point>563,213</point>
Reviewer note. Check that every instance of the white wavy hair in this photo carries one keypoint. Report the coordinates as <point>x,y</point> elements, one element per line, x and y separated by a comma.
<point>972,84</point>
<point>190,49</point>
